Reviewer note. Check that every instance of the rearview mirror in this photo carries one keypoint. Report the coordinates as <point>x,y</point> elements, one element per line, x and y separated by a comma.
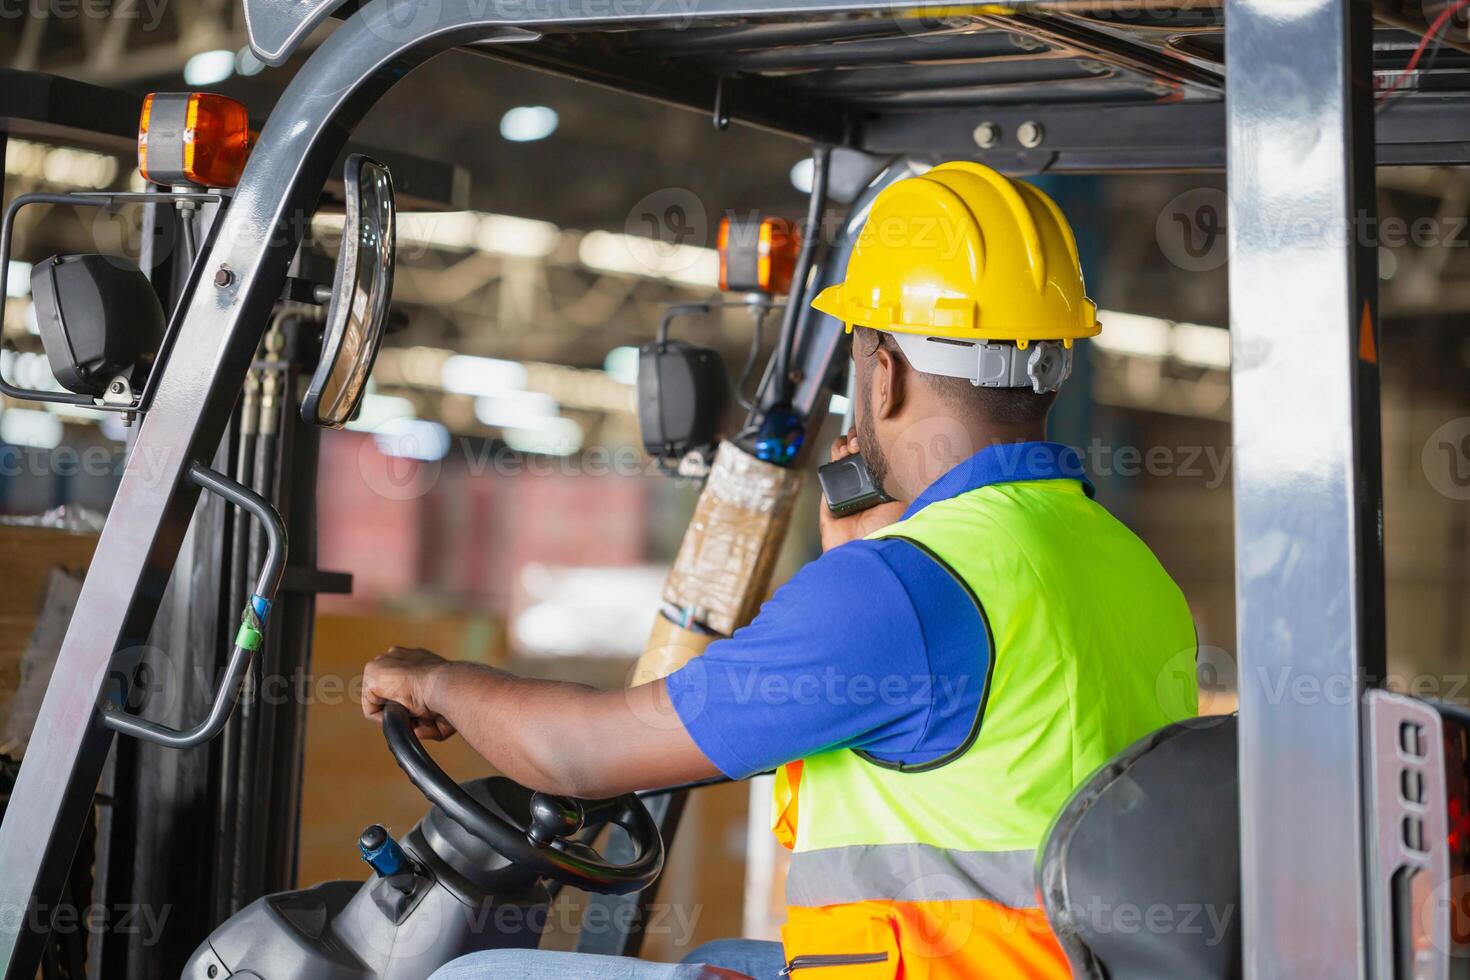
<point>358,310</point>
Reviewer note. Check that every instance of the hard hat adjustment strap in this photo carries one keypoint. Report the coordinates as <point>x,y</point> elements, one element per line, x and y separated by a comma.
<point>1042,366</point>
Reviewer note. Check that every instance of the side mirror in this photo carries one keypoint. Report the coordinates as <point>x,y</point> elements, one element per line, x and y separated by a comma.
<point>357,312</point>
<point>100,322</point>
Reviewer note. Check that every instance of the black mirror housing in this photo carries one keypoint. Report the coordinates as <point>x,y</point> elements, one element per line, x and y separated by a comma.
<point>99,318</point>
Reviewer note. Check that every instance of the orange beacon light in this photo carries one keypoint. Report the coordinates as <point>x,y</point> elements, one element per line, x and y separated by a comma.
<point>193,138</point>
<point>757,255</point>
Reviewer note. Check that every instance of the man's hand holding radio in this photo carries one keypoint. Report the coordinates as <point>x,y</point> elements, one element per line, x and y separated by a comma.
<point>840,530</point>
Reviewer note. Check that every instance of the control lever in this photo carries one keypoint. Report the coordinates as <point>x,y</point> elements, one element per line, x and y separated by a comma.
<point>247,639</point>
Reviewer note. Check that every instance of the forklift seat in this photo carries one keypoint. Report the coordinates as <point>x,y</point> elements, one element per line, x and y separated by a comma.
<point>1140,872</point>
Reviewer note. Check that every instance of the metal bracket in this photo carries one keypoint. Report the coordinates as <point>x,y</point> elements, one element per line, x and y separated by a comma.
<point>247,641</point>
<point>119,392</point>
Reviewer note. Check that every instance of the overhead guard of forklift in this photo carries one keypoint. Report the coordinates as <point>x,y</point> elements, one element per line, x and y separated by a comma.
<point>277,28</point>
<point>538,840</point>
<point>1140,872</point>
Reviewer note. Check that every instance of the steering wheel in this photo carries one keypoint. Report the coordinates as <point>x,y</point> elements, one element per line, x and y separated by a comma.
<point>537,842</point>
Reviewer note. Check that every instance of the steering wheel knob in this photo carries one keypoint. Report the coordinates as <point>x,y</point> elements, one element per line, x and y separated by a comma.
<point>553,817</point>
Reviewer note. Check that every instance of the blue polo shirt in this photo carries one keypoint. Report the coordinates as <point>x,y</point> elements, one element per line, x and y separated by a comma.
<point>874,646</point>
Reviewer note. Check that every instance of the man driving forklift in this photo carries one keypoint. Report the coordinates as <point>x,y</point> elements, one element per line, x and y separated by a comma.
<point>934,686</point>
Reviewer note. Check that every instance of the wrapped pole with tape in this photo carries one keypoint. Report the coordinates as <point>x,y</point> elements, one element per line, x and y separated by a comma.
<point>722,572</point>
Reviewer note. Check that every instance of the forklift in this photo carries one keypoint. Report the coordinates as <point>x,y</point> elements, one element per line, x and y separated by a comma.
<point>1331,829</point>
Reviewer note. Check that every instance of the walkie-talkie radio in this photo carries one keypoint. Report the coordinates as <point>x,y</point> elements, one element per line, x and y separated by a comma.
<point>848,486</point>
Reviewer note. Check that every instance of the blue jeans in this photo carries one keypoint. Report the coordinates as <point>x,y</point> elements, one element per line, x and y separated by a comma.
<point>747,957</point>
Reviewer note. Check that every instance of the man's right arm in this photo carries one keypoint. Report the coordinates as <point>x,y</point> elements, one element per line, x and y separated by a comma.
<point>811,672</point>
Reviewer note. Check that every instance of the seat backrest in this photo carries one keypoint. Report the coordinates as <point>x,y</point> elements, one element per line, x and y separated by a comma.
<point>1140,872</point>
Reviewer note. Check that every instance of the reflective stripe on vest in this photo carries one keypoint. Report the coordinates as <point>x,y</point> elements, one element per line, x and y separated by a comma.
<point>910,873</point>
<point>1091,646</point>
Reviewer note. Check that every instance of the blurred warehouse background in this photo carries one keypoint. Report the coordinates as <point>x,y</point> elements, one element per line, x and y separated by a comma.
<point>492,501</point>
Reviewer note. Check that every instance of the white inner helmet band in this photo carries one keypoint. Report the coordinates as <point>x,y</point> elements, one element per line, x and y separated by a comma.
<point>1042,366</point>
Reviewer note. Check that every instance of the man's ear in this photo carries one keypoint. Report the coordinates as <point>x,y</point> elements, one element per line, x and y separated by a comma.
<point>890,383</point>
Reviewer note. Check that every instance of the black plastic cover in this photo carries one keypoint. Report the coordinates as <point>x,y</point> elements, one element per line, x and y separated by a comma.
<point>1140,872</point>
<point>682,395</point>
<point>98,317</point>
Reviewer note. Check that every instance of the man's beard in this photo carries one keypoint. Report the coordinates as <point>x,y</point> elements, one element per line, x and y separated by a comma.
<point>868,444</point>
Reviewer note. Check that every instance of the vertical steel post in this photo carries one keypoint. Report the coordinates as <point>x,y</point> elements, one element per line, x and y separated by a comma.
<point>1303,306</point>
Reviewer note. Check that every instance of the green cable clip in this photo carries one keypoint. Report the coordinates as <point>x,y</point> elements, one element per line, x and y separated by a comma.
<point>248,638</point>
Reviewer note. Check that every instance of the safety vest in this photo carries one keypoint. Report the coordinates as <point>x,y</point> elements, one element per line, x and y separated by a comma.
<point>926,872</point>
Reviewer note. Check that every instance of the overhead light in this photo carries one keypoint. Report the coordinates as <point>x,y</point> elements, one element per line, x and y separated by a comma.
<point>1195,343</point>
<point>621,364</point>
<point>59,164</point>
<point>633,255</point>
<point>29,427</point>
<point>246,63</point>
<point>1129,333</point>
<point>453,229</point>
<point>208,67</point>
<point>78,168</point>
<point>528,123</point>
<point>411,438</point>
<point>507,235</point>
<point>801,175</point>
<point>484,376</point>
<point>501,234</point>
<point>521,410</point>
<point>557,437</point>
<point>1152,337</point>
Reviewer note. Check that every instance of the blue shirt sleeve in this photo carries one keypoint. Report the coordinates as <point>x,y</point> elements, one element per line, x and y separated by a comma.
<point>873,646</point>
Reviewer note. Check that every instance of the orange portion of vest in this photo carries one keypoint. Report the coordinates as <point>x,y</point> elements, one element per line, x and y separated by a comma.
<point>946,940</point>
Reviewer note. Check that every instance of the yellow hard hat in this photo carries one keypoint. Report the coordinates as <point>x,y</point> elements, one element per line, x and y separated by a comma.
<point>965,252</point>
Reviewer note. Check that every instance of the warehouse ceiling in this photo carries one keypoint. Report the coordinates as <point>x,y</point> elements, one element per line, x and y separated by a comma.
<point>613,160</point>
<point>609,149</point>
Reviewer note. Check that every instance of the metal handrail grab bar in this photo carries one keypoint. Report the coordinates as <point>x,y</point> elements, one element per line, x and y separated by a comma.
<point>247,640</point>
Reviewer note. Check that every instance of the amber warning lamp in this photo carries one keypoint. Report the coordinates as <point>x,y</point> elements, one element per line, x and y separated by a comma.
<point>757,254</point>
<point>193,138</point>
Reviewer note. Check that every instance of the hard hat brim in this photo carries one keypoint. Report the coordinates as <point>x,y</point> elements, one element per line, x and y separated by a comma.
<point>834,302</point>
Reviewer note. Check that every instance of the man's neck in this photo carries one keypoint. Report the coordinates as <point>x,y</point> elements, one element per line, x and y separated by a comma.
<point>939,442</point>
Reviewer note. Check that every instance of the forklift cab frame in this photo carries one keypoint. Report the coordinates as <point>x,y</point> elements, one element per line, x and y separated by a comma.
<point>1293,117</point>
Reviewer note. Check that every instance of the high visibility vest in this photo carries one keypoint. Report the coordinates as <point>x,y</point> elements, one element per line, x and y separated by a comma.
<point>927,871</point>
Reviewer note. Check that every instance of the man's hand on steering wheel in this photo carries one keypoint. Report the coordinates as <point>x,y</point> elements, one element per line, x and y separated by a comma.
<point>405,675</point>
<point>553,736</point>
